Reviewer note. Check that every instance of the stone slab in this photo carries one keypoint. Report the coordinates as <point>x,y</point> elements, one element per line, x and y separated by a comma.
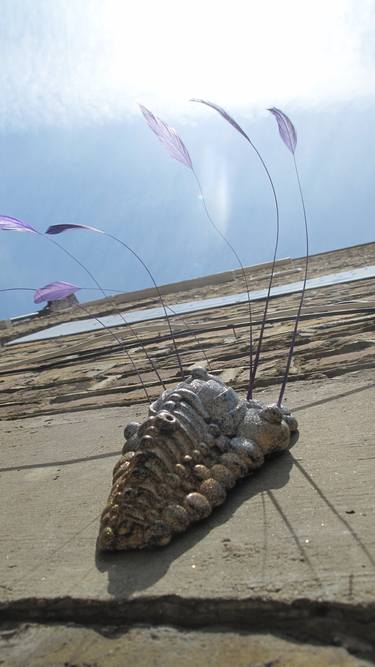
<point>302,527</point>
<point>61,646</point>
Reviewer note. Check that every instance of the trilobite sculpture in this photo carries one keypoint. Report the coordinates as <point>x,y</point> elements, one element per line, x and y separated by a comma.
<point>200,438</point>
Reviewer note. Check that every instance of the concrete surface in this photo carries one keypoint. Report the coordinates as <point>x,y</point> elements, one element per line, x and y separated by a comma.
<point>62,646</point>
<point>296,536</point>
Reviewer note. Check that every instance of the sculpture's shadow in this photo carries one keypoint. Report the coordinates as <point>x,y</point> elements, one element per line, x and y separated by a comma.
<point>137,570</point>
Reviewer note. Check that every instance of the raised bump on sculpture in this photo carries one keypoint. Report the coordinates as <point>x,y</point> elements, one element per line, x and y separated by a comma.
<point>272,414</point>
<point>201,471</point>
<point>177,517</point>
<point>198,505</point>
<point>223,475</point>
<point>131,429</point>
<point>193,399</point>
<point>165,422</point>
<point>213,491</point>
<point>249,451</point>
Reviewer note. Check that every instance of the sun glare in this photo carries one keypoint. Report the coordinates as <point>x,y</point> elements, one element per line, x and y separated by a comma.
<point>94,60</point>
<point>244,53</point>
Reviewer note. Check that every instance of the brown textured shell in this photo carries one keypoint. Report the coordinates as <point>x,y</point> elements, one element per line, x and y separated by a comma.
<point>178,465</point>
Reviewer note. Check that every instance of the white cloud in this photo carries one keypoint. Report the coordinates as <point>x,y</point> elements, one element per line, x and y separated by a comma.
<point>87,61</point>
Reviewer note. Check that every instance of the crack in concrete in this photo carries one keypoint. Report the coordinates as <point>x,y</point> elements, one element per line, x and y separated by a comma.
<point>324,622</point>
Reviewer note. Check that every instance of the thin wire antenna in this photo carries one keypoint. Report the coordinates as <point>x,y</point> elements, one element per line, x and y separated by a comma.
<point>140,260</point>
<point>295,330</point>
<point>289,136</point>
<point>164,306</point>
<point>9,223</point>
<point>239,129</point>
<point>108,329</point>
<point>234,252</point>
<point>58,229</point>
<point>176,148</point>
<point>121,343</point>
<point>91,275</point>
<point>187,325</point>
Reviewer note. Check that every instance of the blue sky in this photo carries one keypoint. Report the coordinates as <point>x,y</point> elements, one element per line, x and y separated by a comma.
<point>76,149</point>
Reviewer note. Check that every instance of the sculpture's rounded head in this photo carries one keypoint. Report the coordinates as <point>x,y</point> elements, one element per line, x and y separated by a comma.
<point>272,414</point>
<point>272,427</point>
<point>130,534</point>
<point>165,422</point>
<point>199,373</point>
<point>132,518</point>
<point>130,429</point>
<point>140,513</point>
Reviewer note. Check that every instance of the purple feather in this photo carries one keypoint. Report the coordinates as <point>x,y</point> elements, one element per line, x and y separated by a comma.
<point>224,114</point>
<point>9,224</point>
<point>55,291</point>
<point>286,129</point>
<point>58,229</point>
<point>168,137</point>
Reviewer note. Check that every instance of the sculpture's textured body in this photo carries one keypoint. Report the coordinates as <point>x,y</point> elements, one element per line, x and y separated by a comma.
<point>176,466</point>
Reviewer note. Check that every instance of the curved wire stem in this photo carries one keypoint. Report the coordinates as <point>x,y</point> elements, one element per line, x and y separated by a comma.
<point>295,330</point>
<point>194,336</point>
<point>121,343</point>
<point>234,252</point>
<point>231,121</point>
<point>140,260</point>
<point>112,333</point>
<point>264,319</point>
<point>139,340</point>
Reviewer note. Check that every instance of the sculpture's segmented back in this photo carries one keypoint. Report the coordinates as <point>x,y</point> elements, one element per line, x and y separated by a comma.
<point>176,466</point>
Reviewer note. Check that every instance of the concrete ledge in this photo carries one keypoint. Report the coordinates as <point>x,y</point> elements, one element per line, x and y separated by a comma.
<point>303,527</point>
<point>161,646</point>
<point>301,619</point>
